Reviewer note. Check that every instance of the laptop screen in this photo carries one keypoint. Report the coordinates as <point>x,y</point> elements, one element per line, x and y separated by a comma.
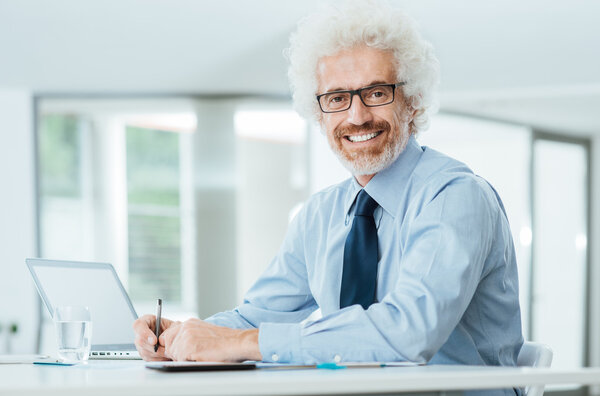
<point>95,285</point>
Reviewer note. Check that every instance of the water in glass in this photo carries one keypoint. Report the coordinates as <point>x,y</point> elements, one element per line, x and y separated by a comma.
<point>73,340</point>
<point>73,333</point>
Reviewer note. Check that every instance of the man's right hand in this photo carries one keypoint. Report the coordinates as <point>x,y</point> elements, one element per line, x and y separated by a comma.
<point>145,337</point>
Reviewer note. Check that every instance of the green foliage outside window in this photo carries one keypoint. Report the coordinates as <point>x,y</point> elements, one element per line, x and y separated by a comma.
<point>152,167</point>
<point>154,222</point>
<point>59,155</point>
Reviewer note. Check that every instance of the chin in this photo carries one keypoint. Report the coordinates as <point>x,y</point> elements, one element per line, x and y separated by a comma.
<point>365,166</point>
<point>370,164</point>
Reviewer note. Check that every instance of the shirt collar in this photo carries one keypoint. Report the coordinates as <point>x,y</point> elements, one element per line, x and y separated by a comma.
<point>353,191</point>
<point>386,186</point>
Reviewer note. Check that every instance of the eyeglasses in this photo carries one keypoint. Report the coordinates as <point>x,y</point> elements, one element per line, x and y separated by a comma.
<point>371,96</point>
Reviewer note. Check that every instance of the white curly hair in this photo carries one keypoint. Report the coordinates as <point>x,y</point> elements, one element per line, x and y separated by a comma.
<point>350,23</point>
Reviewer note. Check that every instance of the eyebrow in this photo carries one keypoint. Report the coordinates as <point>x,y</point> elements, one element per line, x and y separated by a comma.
<point>375,82</point>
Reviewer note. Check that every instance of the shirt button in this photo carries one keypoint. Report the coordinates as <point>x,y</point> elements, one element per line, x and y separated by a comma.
<point>274,357</point>
<point>337,358</point>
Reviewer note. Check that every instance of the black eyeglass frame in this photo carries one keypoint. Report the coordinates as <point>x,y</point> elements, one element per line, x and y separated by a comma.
<point>358,92</point>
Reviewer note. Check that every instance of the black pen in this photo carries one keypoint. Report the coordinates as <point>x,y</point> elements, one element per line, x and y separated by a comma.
<point>158,313</point>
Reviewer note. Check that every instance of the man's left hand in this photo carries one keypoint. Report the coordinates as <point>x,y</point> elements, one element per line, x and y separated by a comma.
<point>196,340</point>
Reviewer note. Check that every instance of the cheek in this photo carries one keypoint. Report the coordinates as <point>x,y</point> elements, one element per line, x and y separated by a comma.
<point>326,123</point>
<point>327,128</point>
<point>399,119</point>
<point>331,139</point>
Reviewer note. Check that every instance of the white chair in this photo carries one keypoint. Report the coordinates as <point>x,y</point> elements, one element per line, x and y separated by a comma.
<point>534,354</point>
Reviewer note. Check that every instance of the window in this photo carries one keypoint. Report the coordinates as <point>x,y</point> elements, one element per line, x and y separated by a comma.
<point>59,156</point>
<point>153,213</point>
<point>170,192</point>
<point>114,187</point>
<point>61,185</point>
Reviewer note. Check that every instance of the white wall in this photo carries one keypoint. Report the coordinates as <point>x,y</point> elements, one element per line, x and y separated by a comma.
<point>594,247</point>
<point>272,177</point>
<point>266,196</point>
<point>17,220</point>
<point>215,194</point>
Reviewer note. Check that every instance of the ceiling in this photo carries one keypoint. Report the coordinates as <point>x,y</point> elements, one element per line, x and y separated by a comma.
<point>533,62</point>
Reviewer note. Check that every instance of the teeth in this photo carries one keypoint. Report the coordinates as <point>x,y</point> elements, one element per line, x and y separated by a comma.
<point>362,138</point>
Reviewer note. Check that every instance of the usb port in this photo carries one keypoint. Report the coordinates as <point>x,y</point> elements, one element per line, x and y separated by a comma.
<point>102,353</point>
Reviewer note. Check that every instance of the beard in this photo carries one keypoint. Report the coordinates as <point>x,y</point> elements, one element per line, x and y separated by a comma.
<point>374,159</point>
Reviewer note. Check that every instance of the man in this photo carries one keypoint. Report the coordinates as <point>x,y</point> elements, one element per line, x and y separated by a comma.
<point>411,259</point>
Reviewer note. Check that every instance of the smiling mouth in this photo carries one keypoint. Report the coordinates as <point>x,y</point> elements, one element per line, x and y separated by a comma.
<point>362,138</point>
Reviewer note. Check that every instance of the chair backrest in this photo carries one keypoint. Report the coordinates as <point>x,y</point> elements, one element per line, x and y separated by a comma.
<point>534,354</point>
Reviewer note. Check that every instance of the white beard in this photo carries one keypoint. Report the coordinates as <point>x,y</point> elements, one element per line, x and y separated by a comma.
<point>370,165</point>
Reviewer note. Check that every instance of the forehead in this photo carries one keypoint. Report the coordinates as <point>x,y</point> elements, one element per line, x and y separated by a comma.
<point>355,68</point>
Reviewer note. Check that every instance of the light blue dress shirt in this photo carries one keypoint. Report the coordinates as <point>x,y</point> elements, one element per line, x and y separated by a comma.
<point>447,287</point>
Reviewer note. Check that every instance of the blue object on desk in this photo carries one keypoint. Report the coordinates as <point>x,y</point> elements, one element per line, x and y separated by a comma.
<point>330,366</point>
<point>55,363</point>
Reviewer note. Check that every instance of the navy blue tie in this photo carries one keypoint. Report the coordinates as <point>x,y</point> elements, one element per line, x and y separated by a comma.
<point>360,256</point>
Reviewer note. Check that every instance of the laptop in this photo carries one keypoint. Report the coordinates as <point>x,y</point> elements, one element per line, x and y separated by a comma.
<point>97,286</point>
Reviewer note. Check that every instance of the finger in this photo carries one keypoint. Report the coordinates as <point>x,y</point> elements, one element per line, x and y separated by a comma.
<point>170,351</point>
<point>143,344</point>
<point>144,326</point>
<point>159,354</point>
<point>147,356</point>
<point>176,353</point>
<point>144,339</point>
<point>167,336</point>
<point>147,352</point>
<point>144,352</point>
<point>148,319</point>
<point>166,323</point>
<point>175,345</point>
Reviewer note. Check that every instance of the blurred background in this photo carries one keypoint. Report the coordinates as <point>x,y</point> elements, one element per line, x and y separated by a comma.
<point>159,136</point>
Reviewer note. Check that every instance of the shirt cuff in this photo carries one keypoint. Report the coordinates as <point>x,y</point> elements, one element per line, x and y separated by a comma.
<point>280,342</point>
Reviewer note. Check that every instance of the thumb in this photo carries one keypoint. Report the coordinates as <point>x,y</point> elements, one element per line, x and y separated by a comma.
<point>161,340</point>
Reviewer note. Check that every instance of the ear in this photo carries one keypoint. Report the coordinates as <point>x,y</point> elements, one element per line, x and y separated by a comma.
<point>414,112</point>
<point>411,123</point>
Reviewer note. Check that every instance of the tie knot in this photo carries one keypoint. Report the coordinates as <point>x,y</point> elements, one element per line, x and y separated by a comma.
<point>365,205</point>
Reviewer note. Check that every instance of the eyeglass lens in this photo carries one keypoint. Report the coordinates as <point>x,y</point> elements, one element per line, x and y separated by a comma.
<point>377,95</point>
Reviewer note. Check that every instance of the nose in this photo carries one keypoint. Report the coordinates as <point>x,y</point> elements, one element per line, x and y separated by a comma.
<point>358,113</point>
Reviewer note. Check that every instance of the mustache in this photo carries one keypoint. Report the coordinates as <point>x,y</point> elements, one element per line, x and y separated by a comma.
<point>367,127</point>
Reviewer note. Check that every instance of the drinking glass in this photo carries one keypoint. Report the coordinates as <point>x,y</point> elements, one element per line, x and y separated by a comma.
<point>73,332</point>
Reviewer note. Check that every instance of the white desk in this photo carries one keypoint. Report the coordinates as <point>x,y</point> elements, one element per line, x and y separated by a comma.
<point>132,378</point>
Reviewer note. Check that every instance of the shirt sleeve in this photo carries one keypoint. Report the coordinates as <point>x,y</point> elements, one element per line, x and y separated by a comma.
<point>444,245</point>
<point>281,294</point>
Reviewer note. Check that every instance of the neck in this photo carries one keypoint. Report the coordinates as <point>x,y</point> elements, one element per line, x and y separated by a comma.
<point>363,179</point>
